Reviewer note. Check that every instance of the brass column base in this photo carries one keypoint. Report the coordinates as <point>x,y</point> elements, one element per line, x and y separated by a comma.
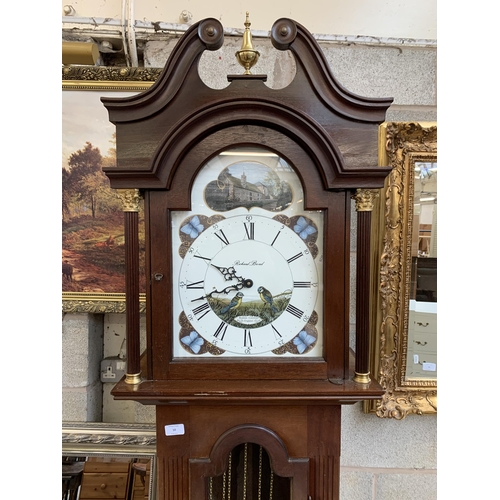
<point>362,378</point>
<point>133,378</point>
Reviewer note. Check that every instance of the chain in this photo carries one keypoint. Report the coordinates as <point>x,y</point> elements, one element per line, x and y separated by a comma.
<point>260,473</point>
<point>229,476</point>
<point>245,466</point>
<point>271,486</point>
<point>226,481</point>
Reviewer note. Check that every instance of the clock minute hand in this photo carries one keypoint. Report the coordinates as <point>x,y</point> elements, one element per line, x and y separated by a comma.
<point>229,273</point>
<point>242,283</point>
<point>231,288</point>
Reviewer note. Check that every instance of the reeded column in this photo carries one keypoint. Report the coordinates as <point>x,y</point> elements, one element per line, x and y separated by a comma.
<point>131,201</point>
<point>364,199</point>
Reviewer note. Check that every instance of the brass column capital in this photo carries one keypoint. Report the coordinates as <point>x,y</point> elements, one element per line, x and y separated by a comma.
<point>365,199</point>
<point>130,198</point>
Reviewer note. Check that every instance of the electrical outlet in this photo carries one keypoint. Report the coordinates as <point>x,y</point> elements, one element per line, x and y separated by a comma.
<point>112,369</point>
<point>108,373</point>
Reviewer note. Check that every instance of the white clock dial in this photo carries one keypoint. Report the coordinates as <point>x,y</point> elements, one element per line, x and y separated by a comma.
<point>247,261</point>
<point>248,284</point>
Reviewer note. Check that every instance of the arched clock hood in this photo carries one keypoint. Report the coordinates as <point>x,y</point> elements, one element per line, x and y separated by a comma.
<point>155,129</point>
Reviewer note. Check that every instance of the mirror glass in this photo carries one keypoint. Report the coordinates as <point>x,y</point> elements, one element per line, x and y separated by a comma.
<point>422,313</point>
<point>108,461</point>
<point>91,477</point>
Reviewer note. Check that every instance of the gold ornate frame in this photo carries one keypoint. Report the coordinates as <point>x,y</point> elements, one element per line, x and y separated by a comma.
<point>112,440</point>
<point>401,144</point>
<point>104,79</point>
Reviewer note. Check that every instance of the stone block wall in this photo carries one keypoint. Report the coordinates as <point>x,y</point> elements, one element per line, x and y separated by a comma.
<point>82,347</point>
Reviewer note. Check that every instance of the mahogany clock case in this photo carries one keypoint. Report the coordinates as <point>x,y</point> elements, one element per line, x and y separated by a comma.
<point>290,405</point>
<point>327,134</point>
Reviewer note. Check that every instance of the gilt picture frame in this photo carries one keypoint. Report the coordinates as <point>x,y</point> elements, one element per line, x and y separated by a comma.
<point>137,442</point>
<point>92,235</point>
<point>401,146</point>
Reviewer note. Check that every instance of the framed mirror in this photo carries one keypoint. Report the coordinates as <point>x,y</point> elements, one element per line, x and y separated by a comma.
<point>108,461</point>
<point>404,293</point>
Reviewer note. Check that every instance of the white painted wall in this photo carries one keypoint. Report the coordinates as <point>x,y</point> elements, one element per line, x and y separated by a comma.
<point>382,18</point>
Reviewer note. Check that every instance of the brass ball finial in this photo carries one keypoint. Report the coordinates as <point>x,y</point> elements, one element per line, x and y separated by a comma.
<point>247,56</point>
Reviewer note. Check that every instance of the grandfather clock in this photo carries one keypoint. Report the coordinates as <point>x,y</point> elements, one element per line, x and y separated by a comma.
<point>247,194</point>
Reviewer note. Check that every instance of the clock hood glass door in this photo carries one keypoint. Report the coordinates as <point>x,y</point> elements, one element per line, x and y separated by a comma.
<point>247,262</point>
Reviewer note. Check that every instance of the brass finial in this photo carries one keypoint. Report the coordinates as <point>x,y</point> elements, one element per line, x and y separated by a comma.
<point>247,56</point>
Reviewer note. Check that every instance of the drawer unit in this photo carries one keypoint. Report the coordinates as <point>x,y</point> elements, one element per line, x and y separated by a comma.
<point>421,362</point>
<point>104,480</point>
<point>423,343</point>
<point>424,322</point>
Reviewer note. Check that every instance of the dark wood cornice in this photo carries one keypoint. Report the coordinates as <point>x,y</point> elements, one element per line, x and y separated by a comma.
<point>287,34</point>
<point>194,42</point>
<point>179,111</point>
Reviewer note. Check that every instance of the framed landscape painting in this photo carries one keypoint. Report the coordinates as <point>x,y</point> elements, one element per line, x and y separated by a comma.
<point>93,250</point>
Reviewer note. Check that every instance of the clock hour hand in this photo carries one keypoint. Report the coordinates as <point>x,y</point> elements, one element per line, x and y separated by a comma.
<point>229,273</point>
